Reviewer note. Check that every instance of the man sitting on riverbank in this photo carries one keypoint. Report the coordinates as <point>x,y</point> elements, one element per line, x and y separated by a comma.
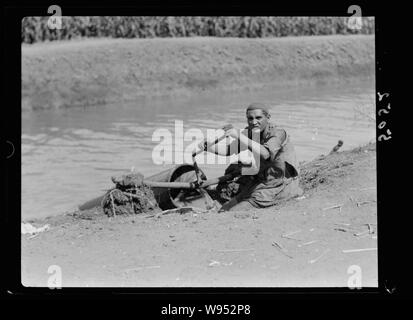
<point>277,177</point>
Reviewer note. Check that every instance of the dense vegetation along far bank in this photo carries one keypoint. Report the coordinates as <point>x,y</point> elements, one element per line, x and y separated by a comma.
<point>36,29</point>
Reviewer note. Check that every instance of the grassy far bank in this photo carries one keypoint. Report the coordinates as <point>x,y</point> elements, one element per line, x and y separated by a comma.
<point>99,71</point>
<point>338,213</point>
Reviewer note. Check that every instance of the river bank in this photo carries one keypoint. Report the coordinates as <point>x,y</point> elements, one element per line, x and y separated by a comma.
<point>301,242</point>
<point>101,71</point>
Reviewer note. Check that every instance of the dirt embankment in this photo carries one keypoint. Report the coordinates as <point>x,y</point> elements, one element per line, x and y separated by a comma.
<point>99,71</point>
<point>301,242</point>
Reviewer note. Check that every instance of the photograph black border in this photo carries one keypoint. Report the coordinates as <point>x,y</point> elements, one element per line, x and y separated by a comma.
<point>394,280</point>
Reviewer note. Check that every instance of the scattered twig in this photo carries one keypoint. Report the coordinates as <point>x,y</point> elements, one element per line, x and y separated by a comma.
<point>290,233</point>
<point>359,250</point>
<point>371,231</point>
<point>338,206</point>
<point>217,263</point>
<point>285,237</point>
<point>361,233</point>
<point>364,202</point>
<point>235,250</point>
<point>275,244</point>
<point>181,210</point>
<point>140,268</point>
<point>319,257</point>
<point>364,235</point>
<point>214,263</point>
<point>307,243</point>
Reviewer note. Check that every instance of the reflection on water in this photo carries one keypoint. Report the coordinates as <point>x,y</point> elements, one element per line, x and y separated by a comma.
<point>68,156</point>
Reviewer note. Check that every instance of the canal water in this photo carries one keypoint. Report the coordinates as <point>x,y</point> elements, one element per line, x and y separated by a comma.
<point>69,155</point>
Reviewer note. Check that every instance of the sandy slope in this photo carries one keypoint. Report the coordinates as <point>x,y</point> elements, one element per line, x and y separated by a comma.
<point>99,71</point>
<point>226,249</point>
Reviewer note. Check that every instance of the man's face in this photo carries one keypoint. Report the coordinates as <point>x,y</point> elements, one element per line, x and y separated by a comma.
<point>257,119</point>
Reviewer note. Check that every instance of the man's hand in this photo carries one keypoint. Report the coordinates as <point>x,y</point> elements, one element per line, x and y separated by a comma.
<point>205,144</point>
<point>199,148</point>
<point>202,145</point>
<point>232,132</point>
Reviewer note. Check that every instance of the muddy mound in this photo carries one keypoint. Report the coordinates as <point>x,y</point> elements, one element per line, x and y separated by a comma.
<point>324,169</point>
<point>130,196</point>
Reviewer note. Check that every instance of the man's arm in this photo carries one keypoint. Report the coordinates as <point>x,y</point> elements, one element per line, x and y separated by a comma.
<point>275,143</point>
<point>242,141</point>
<point>269,149</point>
<point>256,148</point>
<point>220,149</point>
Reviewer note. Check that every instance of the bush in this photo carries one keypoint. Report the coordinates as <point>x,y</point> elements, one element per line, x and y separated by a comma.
<point>35,29</point>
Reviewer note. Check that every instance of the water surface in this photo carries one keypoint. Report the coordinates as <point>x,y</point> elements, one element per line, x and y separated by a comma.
<point>69,155</point>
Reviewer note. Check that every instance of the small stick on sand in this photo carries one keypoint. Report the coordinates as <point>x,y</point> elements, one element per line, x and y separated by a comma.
<point>308,243</point>
<point>338,206</point>
<point>364,202</point>
<point>159,214</point>
<point>359,250</point>
<point>285,237</point>
<point>371,231</point>
<point>180,210</point>
<point>361,233</point>
<point>364,235</point>
<point>140,268</point>
<point>319,257</point>
<point>235,250</point>
<point>275,244</point>
<point>290,233</point>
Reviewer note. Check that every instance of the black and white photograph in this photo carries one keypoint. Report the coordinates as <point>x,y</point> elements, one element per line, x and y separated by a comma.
<point>199,151</point>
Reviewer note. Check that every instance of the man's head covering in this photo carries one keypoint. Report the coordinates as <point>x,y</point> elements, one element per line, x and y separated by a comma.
<point>258,105</point>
